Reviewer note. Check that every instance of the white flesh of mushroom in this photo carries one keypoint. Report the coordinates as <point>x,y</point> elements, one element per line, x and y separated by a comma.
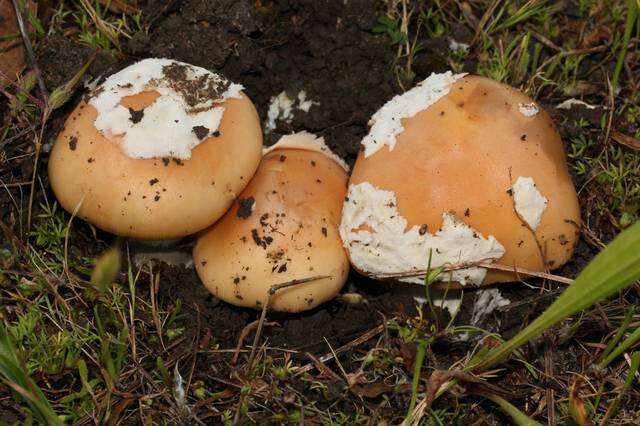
<point>488,300</point>
<point>567,104</point>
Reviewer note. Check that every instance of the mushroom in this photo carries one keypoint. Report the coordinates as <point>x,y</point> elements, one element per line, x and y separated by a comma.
<point>159,151</point>
<point>283,227</point>
<point>464,170</point>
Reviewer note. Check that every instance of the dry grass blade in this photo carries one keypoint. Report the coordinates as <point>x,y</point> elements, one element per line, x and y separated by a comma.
<point>625,140</point>
<point>484,20</point>
<point>119,6</point>
<point>29,47</point>
<point>576,405</point>
<point>355,342</point>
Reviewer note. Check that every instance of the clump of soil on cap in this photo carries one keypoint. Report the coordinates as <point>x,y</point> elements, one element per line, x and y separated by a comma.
<point>245,207</point>
<point>136,115</point>
<point>194,90</point>
<point>200,131</point>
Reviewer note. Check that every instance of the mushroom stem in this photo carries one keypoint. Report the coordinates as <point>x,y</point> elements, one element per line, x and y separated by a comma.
<point>272,291</point>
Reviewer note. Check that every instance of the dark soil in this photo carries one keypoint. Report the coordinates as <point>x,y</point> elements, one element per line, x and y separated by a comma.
<point>337,321</point>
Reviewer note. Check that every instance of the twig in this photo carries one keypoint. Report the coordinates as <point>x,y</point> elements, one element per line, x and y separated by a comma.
<point>243,334</point>
<point>29,48</point>
<point>272,291</point>
<point>551,45</point>
<point>18,135</point>
<point>15,184</point>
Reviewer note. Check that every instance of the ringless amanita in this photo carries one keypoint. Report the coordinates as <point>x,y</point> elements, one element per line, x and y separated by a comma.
<point>464,169</point>
<point>160,150</point>
<point>283,227</point>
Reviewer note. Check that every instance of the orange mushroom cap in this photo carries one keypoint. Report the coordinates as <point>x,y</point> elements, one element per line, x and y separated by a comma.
<point>152,173</point>
<point>283,227</point>
<point>472,170</point>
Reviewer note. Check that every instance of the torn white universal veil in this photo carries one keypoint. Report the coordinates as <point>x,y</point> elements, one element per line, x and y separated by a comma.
<point>282,107</point>
<point>189,103</point>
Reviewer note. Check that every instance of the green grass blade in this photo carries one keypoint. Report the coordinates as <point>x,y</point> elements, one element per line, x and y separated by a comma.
<point>621,330</point>
<point>632,13</point>
<point>626,344</point>
<point>519,418</point>
<point>617,266</point>
<point>613,409</point>
<point>527,11</point>
<point>14,375</point>
<point>417,369</point>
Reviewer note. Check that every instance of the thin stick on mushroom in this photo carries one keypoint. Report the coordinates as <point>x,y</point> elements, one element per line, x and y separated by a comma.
<point>483,264</point>
<point>272,291</point>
